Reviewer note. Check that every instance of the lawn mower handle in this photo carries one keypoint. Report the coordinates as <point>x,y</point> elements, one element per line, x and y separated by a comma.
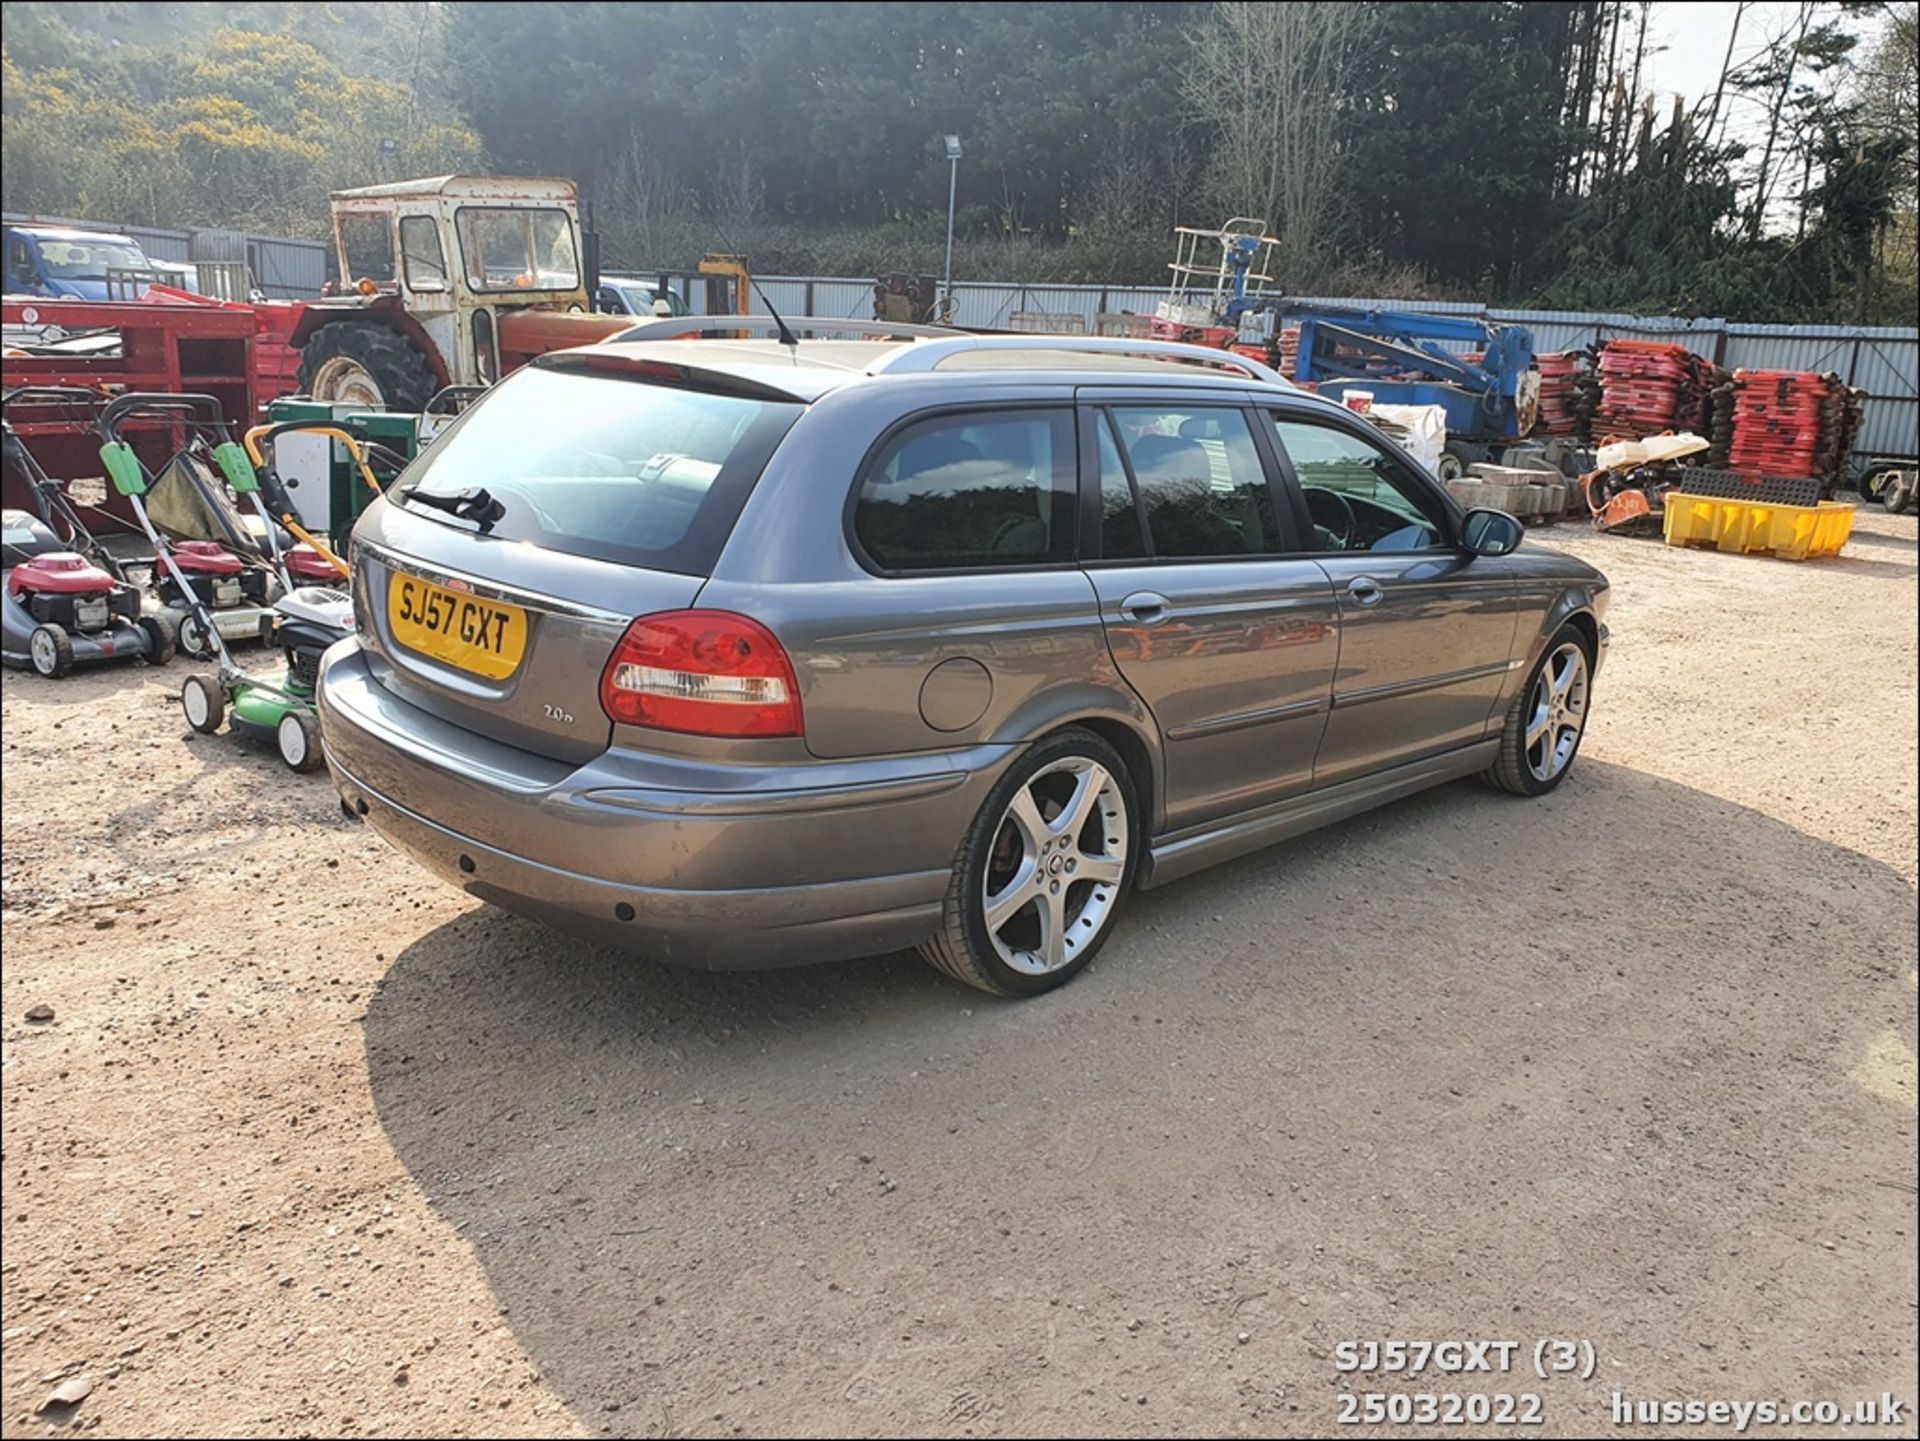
<point>159,403</point>
<point>66,394</point>
<point>271,433</point>
<point>274,489</point>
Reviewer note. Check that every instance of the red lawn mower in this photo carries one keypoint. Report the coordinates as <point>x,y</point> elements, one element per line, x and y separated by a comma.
<point>66,601</point>
<point>213,573</point>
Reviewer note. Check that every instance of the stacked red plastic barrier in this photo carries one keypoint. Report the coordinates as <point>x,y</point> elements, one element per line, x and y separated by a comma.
<point>1558,376</point>
<point>1650,386</point>
<point>1785,422</point>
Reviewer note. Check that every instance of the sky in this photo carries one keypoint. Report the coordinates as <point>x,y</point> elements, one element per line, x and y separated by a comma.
<point>1693,37</point>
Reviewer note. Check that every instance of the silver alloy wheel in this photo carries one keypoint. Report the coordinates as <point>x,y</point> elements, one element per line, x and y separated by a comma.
<point>1054,870</point>
<point>46,657</point>
<point>344,380</point>
<point>1557,711</point>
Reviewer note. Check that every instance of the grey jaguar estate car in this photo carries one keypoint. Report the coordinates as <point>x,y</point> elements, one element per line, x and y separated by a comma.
<point>744,653</point>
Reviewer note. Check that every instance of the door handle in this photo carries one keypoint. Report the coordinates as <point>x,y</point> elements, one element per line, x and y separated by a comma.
<point>1144,607</point>
<point>1366,590</point>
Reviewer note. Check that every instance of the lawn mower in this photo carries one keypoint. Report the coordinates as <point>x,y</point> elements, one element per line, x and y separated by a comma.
<point>317,616</point>
<point>211,569</point>
<point>303,620</point>
<point>66,600</point>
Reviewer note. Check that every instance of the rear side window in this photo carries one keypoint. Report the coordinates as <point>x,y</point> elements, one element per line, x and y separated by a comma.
<point>971,490</point>
<point>609,467</point>
<point>1200,481</point>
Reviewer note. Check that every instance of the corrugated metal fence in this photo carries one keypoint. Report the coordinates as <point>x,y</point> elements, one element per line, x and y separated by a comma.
<point>284,269</point>
<point>1885,363</point>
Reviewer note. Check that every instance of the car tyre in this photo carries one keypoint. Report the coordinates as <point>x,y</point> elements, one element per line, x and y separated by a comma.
<point>1548,718</point>
<point>1055,848</point>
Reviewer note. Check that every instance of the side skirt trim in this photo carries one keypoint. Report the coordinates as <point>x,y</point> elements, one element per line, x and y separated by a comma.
<point>1171,857</point>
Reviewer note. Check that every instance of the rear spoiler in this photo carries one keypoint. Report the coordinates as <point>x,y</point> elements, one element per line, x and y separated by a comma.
<point>662,372</point>
<point>805,326</point>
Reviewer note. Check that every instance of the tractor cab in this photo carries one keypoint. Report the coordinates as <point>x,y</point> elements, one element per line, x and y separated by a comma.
<point>435,278</point>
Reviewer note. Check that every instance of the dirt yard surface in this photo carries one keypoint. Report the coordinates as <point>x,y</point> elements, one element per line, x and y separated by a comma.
<point>313,1144</point>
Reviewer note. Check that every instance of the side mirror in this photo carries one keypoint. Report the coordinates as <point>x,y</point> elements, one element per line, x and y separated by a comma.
<point>1491,532</point>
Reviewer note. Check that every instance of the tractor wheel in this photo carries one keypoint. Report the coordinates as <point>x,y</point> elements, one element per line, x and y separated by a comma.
<point>361,362</point>
<point>1451,467</point>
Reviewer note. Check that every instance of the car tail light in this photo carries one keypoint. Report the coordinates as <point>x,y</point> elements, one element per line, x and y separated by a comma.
<point>701,672</point>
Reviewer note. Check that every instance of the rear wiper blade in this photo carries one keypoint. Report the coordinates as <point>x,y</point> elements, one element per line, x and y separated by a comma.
<point>473,504</point>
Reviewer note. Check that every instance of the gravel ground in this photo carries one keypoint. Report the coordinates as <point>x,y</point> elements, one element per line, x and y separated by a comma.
<point>315,1145</point>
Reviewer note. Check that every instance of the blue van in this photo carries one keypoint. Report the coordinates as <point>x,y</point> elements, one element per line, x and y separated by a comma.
<point>68,264</point>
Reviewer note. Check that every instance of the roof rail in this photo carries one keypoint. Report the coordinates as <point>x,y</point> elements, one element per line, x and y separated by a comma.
<point>687,325</point>
<point>926,355</point>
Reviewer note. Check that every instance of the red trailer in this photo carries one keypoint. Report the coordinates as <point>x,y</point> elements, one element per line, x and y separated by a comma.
<point>276,364</point>
<point>112,346</point>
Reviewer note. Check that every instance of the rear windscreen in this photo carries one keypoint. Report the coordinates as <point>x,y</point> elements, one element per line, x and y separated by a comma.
<point>614,468</point>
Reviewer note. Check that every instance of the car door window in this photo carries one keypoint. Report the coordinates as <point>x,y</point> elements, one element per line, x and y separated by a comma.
<point>972,490</point>
<point>1200,481</point>
<point>1358,496</point>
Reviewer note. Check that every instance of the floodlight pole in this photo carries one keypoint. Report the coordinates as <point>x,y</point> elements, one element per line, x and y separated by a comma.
<point>953,186</point>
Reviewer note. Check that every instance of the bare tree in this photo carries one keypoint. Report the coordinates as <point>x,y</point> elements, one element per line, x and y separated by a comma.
<point>1180,167</point>
<point>1267,79</point>
<point>738,189</point>
<point>1887,85</point>
<point>1726,68</point>
<point>1787,47</point>
<point>641,195</point>
<point>1122,182</point>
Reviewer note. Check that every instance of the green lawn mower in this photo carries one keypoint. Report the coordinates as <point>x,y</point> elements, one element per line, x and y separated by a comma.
<point>301,619</point>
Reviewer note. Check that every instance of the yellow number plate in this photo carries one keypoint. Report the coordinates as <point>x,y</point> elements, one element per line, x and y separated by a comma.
<point>481,636</point>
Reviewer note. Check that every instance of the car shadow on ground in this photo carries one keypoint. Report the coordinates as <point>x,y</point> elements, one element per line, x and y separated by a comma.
<point>1600,1065</point>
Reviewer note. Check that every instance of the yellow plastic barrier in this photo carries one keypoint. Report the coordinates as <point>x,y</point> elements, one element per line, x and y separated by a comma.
<point>1791,532</point>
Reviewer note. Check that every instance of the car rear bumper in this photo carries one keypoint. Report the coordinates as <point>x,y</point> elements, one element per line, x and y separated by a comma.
<point>657,854</point>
